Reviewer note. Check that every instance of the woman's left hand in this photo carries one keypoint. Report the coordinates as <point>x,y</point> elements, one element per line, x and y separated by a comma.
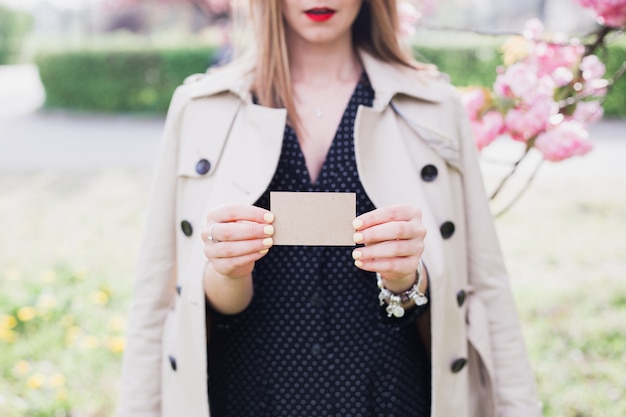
<point>394,243</point>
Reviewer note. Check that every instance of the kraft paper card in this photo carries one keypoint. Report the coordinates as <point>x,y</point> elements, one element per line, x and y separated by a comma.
<point>313,219</point>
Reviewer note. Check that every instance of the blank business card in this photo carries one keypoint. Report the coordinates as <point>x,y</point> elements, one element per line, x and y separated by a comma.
<point>313,219</point>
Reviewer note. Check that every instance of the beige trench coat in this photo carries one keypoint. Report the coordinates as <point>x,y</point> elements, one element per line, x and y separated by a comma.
<point>413,146</point>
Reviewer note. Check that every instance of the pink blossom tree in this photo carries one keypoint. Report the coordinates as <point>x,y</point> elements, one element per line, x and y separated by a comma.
<point>611,13</point>
<point>547,96</point>
<point>548,92</point>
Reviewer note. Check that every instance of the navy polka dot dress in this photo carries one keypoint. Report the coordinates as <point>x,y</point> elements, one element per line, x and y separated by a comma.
<point>313,341</point>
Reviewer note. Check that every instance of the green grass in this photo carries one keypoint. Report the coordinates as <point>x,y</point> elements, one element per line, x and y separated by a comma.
<point>68,243</point>
<point>68,250</point>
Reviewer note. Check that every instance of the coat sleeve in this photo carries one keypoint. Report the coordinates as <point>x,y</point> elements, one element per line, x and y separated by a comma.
<point>155,281</point>
<point>514,384</point>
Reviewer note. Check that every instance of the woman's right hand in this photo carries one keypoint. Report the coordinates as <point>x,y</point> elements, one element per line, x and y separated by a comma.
<point>235,237</point>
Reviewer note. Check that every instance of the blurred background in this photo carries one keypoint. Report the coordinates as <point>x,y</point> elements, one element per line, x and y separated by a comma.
<point>84,85</point>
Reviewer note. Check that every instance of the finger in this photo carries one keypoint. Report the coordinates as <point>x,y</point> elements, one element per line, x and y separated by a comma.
<point>386,214</point>
<point>392,268</point>
<point>236,213</point>
<point>238,266</point>
<point>236,249</point>
<point>236,231</point>
<point>396,230</point>
<point>390,249</point>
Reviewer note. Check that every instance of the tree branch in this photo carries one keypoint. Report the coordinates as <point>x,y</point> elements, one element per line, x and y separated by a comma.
<point>510,174</point>
<point>521,191</point>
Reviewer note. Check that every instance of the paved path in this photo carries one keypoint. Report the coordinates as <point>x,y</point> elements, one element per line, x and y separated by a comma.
<point>42,141</point>
<point>32,139</point>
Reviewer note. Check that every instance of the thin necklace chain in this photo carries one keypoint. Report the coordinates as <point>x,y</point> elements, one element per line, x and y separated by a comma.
<point>319,110</point>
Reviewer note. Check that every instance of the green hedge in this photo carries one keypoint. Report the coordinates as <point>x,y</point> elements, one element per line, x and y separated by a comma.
<point>143,81</point>
<point>118,81</point>
<point>13,27</point>
<point>469,65</point>
<point>615,104</point>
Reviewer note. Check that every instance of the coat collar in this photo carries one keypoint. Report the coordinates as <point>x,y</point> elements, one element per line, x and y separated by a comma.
<point>387,81</point>
<point>236,78</point>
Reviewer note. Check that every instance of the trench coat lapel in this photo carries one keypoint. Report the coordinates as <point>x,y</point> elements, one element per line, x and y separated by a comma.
<point>391,80</point>
<point>250,156</point>
<point>247,165</point>
<point>388,174</point>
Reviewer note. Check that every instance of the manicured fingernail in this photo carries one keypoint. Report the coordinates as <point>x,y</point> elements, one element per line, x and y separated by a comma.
<point>268,242</point>
<point>357,254</point>
<point>268,230</point>
<point>358,237</point>
<point>268,217</point>
<point>264,251</point>
<point>357,223</point>
<point>358,264</point>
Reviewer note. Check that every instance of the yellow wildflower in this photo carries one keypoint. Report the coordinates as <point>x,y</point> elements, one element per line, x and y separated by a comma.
<point>72,334</point>
<point>21,368</point>
<point>47,276</point>
<point>62,394</point>
<point>35,381</point>
<point>100,297</point>
<point>56,381</point>
<point>116,324</point>
<point>26,313</point>
<point>116,344</point>
<point>12,274</point>
<point>7,322</point>
<point>7,335</point>
<point>90,342</point>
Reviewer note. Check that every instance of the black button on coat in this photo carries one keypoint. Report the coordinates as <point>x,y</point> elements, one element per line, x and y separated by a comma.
<point>203,167</point>
<point>447,230</point>
<point>172,362</point>
<point>458,365</point>
<point>186,228</point>
<point>429,173</point>
<point>460,297</point>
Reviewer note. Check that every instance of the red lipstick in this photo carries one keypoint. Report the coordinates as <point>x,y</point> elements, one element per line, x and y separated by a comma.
<point>320,14</point>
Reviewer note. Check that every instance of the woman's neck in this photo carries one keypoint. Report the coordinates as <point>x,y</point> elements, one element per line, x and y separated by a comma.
<point>319,65</point>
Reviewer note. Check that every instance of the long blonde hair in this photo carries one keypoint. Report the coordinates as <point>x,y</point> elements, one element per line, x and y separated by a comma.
<point>375,30</point>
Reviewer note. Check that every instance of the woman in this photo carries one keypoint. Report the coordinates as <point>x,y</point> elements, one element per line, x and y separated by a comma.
<point>223,323</point>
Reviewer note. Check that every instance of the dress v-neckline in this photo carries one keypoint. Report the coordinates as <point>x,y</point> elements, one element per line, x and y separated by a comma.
<point>314,184</point>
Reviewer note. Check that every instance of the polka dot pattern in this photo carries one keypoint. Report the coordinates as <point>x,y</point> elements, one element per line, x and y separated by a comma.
<point>313,341</point>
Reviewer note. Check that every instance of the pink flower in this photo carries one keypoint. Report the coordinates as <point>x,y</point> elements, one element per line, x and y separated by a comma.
<point>588,112</point>
<point>487,129</point>
<point>543,91</point>
<point>533,29</point>
<point>562,76</point>
<point>596,88</point>
<point>592,68</point>
<point>527,121</point>
<point>609,12</point>
<point>408,16</point>
<point>563,141</point>
<point>474,100</point>
<point>547,57</point>
<point>500,86</point>
<point>518,81</point>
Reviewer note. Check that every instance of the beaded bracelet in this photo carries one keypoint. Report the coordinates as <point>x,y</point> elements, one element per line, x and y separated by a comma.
<point>395,301</point>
